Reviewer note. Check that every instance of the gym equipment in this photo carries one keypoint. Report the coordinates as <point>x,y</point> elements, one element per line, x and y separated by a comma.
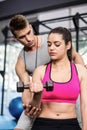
<point>6,123</point>
<point>16,107</point>
<point>21,86</point>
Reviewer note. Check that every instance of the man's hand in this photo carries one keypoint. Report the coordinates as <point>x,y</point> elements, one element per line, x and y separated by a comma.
<point>32,111</point>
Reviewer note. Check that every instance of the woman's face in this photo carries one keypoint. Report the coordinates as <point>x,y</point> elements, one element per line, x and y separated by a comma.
<point>56,46</point>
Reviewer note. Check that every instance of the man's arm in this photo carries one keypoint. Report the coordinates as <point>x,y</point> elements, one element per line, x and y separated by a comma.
<point>77,57</point>
<point>21,70</point>
<point>83,96</point>
<point>24,77</point>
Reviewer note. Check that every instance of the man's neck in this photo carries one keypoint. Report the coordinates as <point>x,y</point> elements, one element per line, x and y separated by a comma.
<point>29,49</point>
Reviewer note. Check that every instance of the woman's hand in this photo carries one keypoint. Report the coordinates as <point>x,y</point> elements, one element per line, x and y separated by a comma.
<point>36,87</point>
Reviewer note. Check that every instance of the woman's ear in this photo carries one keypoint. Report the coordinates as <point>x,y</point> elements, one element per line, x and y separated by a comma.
<point>69,45</point>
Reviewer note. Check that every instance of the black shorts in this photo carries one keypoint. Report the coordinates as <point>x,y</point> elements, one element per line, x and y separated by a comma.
<point>55,124</point>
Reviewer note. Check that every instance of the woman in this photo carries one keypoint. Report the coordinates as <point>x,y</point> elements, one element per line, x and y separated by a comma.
<point>69,80</point>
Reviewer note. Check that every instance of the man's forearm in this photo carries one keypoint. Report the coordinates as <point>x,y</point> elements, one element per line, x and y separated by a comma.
<point>26,97</point>
<point>23,76</point>
<point>79,60</point>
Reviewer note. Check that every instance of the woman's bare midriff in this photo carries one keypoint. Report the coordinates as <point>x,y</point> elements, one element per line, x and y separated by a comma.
<point>58,110</point>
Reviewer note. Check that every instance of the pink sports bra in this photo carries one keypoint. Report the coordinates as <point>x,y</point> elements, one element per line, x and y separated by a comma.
<point>62,92</point>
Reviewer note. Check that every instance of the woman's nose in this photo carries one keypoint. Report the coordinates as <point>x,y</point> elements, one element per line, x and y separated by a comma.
<point>52,47</point>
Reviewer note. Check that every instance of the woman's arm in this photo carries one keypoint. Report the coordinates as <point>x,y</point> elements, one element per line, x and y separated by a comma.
<point>36,87</point>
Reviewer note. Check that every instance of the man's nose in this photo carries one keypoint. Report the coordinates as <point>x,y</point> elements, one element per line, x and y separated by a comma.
<point>27,37</point>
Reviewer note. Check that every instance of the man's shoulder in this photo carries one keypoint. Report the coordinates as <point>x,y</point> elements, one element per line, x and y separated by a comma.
<point>21,51</point>
<point>42,39</point>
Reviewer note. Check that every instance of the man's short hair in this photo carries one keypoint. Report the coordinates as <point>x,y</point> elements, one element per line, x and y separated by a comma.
<point>18,22</point>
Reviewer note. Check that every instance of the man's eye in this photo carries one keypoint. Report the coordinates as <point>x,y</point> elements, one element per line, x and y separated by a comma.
<point>21,37</point>
<point>28,33</point>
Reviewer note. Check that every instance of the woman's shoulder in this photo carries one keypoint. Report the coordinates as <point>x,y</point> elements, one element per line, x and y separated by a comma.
<point>39,71</point>
<point>41,68</point>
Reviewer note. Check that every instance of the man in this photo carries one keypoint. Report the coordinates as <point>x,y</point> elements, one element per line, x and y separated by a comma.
<point>33,54</point>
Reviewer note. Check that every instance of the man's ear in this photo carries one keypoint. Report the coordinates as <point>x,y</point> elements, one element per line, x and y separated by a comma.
<point>14,39</point>
<point>30,26</point>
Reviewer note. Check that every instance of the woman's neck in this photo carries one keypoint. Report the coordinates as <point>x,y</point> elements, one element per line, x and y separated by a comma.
<point>60,63</point>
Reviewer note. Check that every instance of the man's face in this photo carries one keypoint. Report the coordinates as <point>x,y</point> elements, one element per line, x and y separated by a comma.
<point>25,36</point>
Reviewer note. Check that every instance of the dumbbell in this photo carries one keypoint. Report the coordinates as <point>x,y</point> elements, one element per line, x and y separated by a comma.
<point>21,86</point>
